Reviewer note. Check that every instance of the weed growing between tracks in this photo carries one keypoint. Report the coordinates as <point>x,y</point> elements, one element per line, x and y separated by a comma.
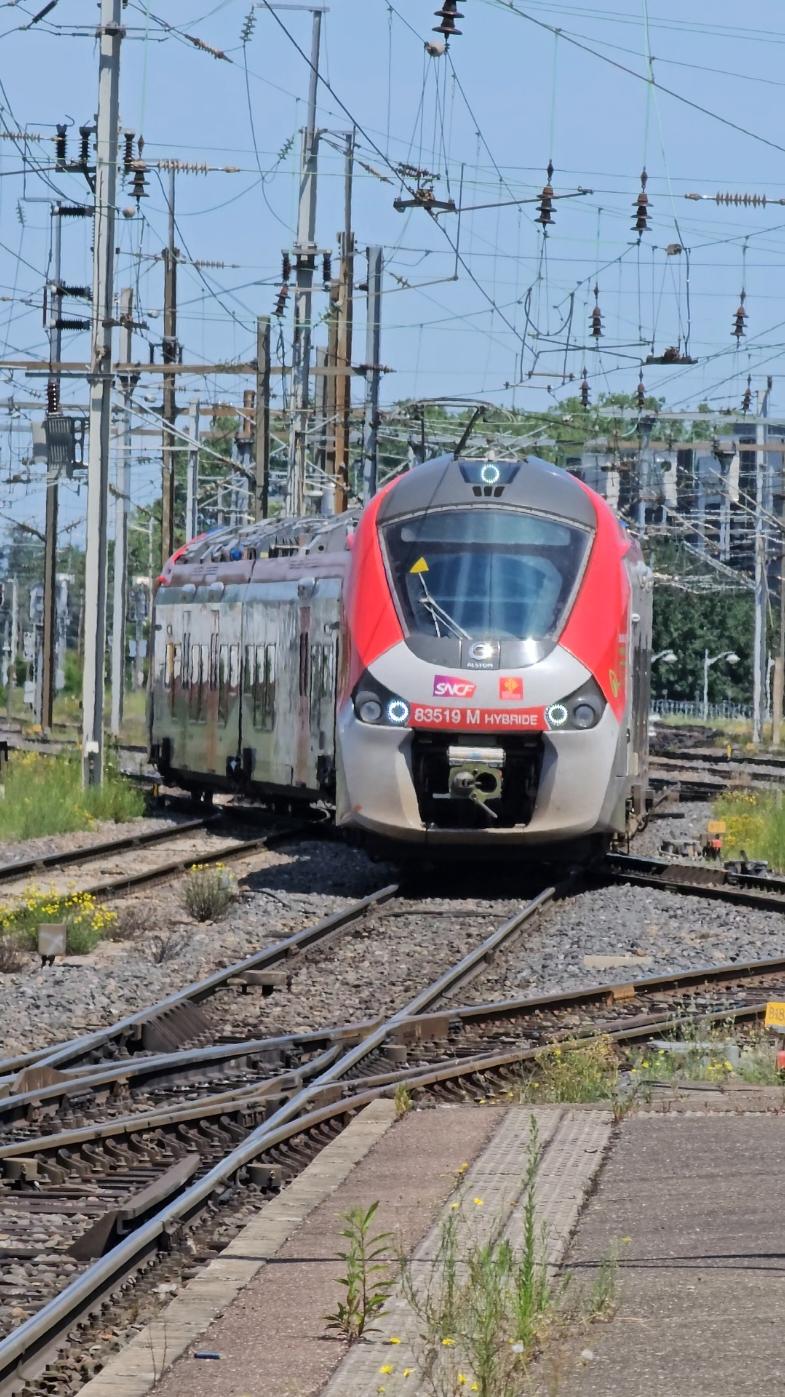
<point>368,1279</point>
<point>44,795</point>
<point>755,823</point>
<point>710,1052</point>
<point>208,891</point>
<point>580,1074</point>
<point>85,920</point>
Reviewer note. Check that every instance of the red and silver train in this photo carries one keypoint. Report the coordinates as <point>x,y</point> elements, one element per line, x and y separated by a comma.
<point>463,662</point>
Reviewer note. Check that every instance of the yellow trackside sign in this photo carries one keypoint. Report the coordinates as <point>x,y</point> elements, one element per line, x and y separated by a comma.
<point>775,1014</point>
<point>717,827</point>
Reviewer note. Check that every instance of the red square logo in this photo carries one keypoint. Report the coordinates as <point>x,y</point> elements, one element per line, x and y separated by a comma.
<point>510,687</point>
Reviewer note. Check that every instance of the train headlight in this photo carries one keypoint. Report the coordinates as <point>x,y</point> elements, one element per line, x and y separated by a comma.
<point>376,704</point>
<point>584,715</point>
<point>557,715</point>
<point>578,712</point>
<point>369,709</point>
<point>397,711</point>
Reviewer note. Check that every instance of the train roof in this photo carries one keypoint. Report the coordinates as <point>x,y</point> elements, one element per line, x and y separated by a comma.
<point>531,483</point>
<point>444,481</point>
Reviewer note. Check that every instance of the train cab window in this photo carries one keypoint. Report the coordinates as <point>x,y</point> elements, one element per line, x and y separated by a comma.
<point>485,573</point>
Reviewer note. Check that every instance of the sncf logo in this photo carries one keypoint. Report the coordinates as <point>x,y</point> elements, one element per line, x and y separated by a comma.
<point>447,686</point>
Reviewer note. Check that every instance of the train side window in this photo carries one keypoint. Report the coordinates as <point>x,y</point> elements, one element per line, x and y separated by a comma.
<point>268,689</point>
<point>200,666</point>
<point>304,669</point>
<point>223,683</point>
<point>234,667</point>
<point>171,655</point>
<point>317,661</point>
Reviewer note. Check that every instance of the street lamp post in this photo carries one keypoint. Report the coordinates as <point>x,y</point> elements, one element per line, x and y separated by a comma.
<point>668,657</point>
<point>732,659</point>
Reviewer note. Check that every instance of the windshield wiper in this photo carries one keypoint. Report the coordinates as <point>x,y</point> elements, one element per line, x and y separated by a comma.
<point>438,614</point>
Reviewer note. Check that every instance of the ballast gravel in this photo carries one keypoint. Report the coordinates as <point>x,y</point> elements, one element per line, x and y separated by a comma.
<point>622,932</point>
<point>288,889</point>
<point>609,933</point>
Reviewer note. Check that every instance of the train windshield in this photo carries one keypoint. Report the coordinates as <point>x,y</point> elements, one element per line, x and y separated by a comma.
<point>485,573</point>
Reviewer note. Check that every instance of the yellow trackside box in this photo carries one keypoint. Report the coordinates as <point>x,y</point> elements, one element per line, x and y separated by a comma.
<point>775,1014</point>
<point>717,827</point>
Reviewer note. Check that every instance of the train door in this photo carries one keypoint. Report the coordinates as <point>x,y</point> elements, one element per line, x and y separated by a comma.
<point>269,685</point>
<point>317,677</point>
<point>212,733</point>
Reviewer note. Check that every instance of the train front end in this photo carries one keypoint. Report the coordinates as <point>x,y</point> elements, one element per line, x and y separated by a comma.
<point>497,663</point>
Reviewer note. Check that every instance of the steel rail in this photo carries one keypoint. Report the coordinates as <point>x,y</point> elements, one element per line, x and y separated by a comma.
<point>41,1332</point>
<point>132,1027</point>
<point>427,1028</point>
<point>700,880</point>
<point>9,871</point>
<point>436,1023</point>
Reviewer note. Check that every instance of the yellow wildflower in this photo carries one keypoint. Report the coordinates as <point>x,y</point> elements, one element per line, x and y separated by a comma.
<point>478,1202</point>
<point>407,1372</point>
<point>393,1339</point>
<point>447,1343</point>
<point>386,1368</point>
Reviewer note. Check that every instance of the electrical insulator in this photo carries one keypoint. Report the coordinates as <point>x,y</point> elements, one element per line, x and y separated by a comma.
<point>61,144</point>
<point>449,12</point>
<point>642,208</point>
<point>53,395</point>
<point>640,393</point>
<point>739,318</point>
<point>286,267</point>
<point>85,132</point>
<point>545,205</point>
<point>280,305</point>
<point>585,395</point>
<point>746,402</point>
<point>249,24</point>
<point>128,153</point>
<point>138,189</point>
<point>327,268</point>
<point>596,316</point>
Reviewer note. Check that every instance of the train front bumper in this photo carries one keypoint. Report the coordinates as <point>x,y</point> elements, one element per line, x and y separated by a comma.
<point>580,791</point>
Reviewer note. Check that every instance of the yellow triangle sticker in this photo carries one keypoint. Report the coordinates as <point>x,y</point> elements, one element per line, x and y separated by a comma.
<point>419,566</point>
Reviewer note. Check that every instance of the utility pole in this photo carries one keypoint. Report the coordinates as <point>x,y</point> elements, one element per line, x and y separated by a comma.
<point>14,645</point>
<point>192,488</point>
<point>170,356</point>
<point>262,430</point>
<point>121,508</point>
<point>55,315</point>
<point>342,398</point>
<point>110,34</point>
<point>372,366</point>
<point>759,664</point>
<point>305,250</point>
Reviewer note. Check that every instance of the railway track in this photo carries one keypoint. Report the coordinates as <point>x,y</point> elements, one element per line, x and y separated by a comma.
<point>98,1199</point>
<point>137,871</point>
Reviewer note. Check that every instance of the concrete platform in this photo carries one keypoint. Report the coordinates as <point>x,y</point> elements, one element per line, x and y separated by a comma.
<point>691,1199</point>
<point>701,1279</point>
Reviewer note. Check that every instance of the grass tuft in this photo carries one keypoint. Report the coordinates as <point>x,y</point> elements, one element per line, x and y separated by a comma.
<point>755,823</point>
<point>585,1073</point>
<point>208,892</point>
<point>44,795</point>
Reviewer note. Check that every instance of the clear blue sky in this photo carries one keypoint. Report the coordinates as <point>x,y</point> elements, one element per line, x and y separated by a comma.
<point>515,97</point>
